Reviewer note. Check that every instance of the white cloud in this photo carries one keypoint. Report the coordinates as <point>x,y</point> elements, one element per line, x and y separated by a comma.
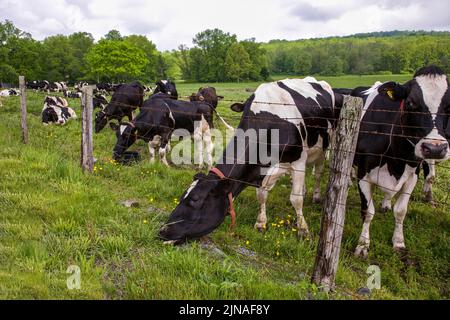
<point>170,23</point>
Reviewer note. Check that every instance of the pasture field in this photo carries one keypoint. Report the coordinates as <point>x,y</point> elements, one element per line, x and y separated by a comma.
<point>53,216</point>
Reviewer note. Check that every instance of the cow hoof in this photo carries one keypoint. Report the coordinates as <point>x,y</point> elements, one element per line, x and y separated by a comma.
<point>261,227</point>
<point>317,199</point>
<point>362,251</point>
<point>399,247</point>
<point>385,210</point>
<point>303,235</point>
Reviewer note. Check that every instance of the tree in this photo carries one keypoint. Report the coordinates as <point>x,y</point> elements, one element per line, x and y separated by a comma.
<point>237,63</point>
<point>116,60</point>
<point>113,35</point>
<point>258,58</point>
<point>149,48</point>
<point>214,45</point>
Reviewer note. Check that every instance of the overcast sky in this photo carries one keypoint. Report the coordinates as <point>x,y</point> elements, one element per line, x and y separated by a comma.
<point>169,23</point>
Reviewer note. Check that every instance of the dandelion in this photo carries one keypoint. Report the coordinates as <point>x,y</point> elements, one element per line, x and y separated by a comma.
<point>282,222</point>
<point>152,200</point>
<point>294,230</point>
<point>274,225</point>
<point>145,221</point>
<point>247,242</point>
<point>278,253</point>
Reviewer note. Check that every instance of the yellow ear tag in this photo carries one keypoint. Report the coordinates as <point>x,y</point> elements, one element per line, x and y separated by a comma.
<point>390,93</point>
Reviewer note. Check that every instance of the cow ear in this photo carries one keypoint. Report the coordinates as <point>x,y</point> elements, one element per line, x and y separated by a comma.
<point>394,91</point>
<point>238,107</point>
<point>220,97</point>
<point>114,126</point>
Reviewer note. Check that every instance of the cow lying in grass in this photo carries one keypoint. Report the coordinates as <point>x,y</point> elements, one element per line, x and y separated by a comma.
<point>302,111</point>
<point>56,110</point>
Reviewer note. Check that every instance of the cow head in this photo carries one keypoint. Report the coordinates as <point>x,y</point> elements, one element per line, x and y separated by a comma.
<point>167,87</point>
<point>202,209</point>
<point>425,117</point>
<point>100,101</point>
<point>126,133</point>
<point>101,120</point>
<point>208,95</point>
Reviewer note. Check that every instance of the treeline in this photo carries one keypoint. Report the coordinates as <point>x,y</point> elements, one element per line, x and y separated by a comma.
<point>377,54</point>
<point>78,57</point>
<point>215,56</point>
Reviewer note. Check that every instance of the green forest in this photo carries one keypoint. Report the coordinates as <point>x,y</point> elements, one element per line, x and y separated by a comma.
<point>215,56</point>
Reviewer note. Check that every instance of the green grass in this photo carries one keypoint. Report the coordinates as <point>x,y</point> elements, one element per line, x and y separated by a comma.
<point>54,216</point>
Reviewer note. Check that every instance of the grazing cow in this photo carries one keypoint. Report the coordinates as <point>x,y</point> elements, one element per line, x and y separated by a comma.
<point>38,85</point>
<point>402,126</point>
<point>57,110</point>
<point>126,99</point>
<point>167,87</point>
<point>58,87</point>
<point>302,112</point>
<point>158,119</point>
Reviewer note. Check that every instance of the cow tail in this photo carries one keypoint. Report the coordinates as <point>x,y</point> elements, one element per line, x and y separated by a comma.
<point>223,121</point>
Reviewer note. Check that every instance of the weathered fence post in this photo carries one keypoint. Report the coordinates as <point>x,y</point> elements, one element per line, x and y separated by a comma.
<point>87,144</point>
<point>23,108</point>
<point>344,141</point>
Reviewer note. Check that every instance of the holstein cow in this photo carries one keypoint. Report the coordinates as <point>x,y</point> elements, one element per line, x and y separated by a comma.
<point>38,85</point>
<point>167,87</point>
<point>160,116</point>
<point>428,166</point>
<point>126,99</point>
<point>9,92</point>
<point>302,111</point>
<point>402,126</point>
<point>57,110</point>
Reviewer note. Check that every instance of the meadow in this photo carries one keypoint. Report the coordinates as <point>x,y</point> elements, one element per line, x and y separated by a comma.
<point>54,216</point>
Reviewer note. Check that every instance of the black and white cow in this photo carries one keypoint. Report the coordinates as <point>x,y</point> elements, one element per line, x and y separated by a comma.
<point>58,86</point>
<point>429,166</point>
<point>302,111</point>
<point>126,99</point>
<point>9,92</point>
<point>72,94</point>
<point>167,87</point>
<point>160,116</point>
<point>38,85</point>
<point>402,126</point>
<point>57,110</point>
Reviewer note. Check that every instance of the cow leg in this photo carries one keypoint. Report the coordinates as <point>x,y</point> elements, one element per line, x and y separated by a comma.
<point>262,193</point>
<point>209,147</point>
<point>198,144</point>
<point>387,202</point>
<point>400,209</point>
<point>429,170</point>
<point>164,149</point>
<point>368,212</point>
<point>152,145</point>
<point>318,171</point>
<point>298,169</point>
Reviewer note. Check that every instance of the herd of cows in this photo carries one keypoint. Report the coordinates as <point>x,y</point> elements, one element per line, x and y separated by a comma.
<point>403,127</point>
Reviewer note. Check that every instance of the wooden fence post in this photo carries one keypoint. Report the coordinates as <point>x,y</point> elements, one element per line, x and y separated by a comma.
<point>87,144</point>
<point>344,140</point>
<point>23,109</point>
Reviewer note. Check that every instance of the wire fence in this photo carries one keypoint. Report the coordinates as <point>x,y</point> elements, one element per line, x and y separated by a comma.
<point>395,129</point>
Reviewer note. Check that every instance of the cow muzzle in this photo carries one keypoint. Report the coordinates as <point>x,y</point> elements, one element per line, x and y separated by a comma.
<point>434,151</point>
